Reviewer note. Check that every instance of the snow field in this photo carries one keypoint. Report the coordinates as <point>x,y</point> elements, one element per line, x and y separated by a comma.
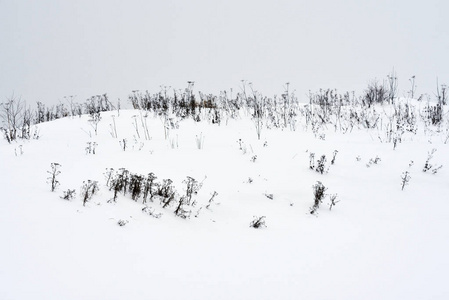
<point>378,242</point>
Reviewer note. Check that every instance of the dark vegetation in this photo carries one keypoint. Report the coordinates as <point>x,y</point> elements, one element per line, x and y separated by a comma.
<point>318,193</point>
<point>148,190</point>
<point>377,109</point>
<point>88,190</point>
<point>326,107</point>
<point>54,173</point>
<point>258,222</point>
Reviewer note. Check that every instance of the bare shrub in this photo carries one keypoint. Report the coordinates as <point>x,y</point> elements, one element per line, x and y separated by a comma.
<point>318,192</point>
<point>88,189</point>
<point>258,222</point>
<point>54,172</point>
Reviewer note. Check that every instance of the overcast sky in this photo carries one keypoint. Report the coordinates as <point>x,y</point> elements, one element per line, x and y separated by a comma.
<point>51,49</point>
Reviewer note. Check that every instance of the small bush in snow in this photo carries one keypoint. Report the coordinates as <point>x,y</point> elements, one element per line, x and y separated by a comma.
<point>333,201</point>
<point>16,120</point>
<point>433,114</point>
<point>375,93</point>
<point>88,189</point>
<point>258,222</point>
<point>318,193</point>
<point>52,180</point>
<point>320,165</point>
<point>192,188</point>
<point>405,179</point>
<point>90,148</point>
<point>139,186</point>
<point>373,161</point>
<point>312,161</point>
<point>108,175</point>
<point>429,166</point>
<point>122,223</point>
<point>146,188</point>
<point>258,103</point>
<point>118,183</point>
<point>149,187</point>
<point>135,186</point>
<point>94,119</point>
<point>166,192</point>
<point>334,155</point>
<point>181,208</point>
<point>68,195</point>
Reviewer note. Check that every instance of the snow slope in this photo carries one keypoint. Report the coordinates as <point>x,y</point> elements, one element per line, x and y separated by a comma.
<point>378,242</point>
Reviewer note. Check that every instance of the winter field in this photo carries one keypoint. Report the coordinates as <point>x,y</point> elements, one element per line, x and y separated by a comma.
<point>124,231</point>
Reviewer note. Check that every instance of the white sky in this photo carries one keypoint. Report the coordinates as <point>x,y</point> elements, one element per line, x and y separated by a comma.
<point>51,49</point>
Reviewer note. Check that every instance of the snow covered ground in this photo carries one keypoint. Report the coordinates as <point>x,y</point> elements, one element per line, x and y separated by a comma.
<point>377,242</point>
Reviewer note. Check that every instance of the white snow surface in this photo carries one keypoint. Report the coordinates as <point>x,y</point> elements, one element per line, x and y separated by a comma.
<point>378,242</point>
